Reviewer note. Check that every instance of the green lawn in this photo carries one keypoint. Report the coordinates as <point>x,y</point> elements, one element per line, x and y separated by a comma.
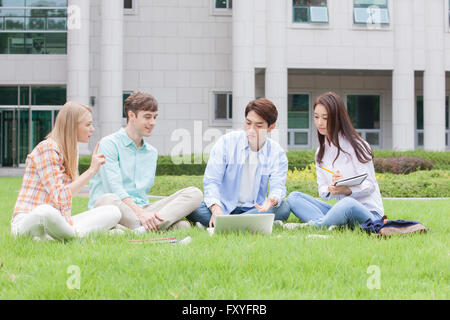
<point>289,264</point>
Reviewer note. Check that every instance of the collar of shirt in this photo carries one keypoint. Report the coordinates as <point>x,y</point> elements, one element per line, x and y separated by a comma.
<point>127,141</point>
<point>244,146</point>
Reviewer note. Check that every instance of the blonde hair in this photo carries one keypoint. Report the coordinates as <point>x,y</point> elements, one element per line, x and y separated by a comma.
<point>65,133</point>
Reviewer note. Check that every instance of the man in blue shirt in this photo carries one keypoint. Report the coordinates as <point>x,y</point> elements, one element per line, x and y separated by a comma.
<point>240,166</point>
<point>129,173</point>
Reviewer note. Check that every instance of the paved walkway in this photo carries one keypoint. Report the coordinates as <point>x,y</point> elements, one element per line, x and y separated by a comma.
<point>12,172</point>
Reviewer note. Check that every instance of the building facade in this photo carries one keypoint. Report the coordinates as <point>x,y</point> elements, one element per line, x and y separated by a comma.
<point>204,60</point>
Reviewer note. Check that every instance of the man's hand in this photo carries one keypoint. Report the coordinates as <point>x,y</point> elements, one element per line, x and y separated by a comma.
<point>216,210</point>
<point>268,204</point>
<point>340,190</point>
<point>149,220</point>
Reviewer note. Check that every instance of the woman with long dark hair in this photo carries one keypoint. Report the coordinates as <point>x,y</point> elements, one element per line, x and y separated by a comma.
<point>343,152</point>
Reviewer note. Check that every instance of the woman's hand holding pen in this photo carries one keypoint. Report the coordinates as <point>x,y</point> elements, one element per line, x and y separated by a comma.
<point>341,189</point>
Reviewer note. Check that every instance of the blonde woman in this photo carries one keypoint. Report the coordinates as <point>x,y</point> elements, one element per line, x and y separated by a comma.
<point>51,180</point>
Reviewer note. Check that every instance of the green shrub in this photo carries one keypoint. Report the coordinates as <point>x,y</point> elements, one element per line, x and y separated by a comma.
<point>297,159</point>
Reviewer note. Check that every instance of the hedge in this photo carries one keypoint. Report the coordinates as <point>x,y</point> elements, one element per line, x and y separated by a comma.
<point>421,184</point>
<point>297,159</point>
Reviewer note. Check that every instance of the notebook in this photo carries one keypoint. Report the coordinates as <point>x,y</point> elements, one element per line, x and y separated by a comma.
<point>261,223</point>
<point>352,181</point>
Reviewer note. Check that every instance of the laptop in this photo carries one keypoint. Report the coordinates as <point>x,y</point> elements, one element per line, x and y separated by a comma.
<point>260,223</point>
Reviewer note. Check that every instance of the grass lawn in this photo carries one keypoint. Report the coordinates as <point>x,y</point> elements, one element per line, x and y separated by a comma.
<point>289,264</point>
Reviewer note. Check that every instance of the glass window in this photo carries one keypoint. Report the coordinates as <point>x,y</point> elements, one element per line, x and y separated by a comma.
<point>128,4</point>
<point>48,96</point>
<point>12,3</point>
<point>223,109</point>
<point>223,4</point>
<point>14,23</point>
<point>419,113</point>
<point>35,23</point>
<point>8,96</point>
<point>24,96</point>
<point>12,12</point>
<point>46,3</point>
<point>46,43</point>
<point>36,15</point>
<point>298,111</point>
<point>370,12</point>
<point>41,125</point>
<point>12,43</point>
<point>56,23</point>
<point>368,3</point>
<point>125,95</point>
<point>305,11</point>
<point>447,113</point>
<point>24,118</point>
<point>364,111</point>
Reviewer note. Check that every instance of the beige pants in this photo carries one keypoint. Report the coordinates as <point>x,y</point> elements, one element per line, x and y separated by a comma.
<point>46,222</point>
<point>171,209</point>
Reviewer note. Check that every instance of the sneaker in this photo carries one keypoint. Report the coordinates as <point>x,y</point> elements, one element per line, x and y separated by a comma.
<point>293,225</point>
<point>182,224</point>
<point>199,225</point>
<point>278,223</point>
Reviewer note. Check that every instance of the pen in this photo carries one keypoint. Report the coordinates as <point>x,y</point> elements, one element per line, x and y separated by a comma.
<point>328,194</point>
<point>327,170</point>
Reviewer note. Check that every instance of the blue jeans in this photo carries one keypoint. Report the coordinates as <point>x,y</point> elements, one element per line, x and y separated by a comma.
<point>347,211</point>
<point>202,214</point>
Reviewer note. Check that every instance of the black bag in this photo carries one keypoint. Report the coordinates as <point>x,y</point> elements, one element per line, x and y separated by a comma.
<point>387,227</point>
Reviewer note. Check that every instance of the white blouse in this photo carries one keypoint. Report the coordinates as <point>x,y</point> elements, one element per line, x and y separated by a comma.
<point>367,193</point>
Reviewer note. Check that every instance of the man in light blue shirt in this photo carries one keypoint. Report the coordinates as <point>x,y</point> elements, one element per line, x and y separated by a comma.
<point>239,169</point>
<point>129,173</point>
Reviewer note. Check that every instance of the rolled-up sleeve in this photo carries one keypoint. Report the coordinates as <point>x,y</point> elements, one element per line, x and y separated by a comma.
<point>110,171</point>
<point>215,169</point>
<point>368,186</point>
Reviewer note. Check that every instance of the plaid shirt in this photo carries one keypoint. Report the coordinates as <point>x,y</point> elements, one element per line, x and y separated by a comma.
<point>45,181</point>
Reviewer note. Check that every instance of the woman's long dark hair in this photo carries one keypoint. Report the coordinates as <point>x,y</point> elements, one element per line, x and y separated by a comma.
<point>339,122</point>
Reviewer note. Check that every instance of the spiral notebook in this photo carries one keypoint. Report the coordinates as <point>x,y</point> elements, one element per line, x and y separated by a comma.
<point>352,181</point>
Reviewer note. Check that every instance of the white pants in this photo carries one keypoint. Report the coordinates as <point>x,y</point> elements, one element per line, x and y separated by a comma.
<point>172,209</point>
<point>46,222</point>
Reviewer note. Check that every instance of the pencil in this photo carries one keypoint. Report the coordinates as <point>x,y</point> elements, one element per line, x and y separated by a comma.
<point>327,170</point>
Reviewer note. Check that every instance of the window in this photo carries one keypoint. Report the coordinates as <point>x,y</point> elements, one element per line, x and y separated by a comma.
<point>223,4</point>
<point>298,120</point>
<point>370,12</point>
<point>419,121</point>
<point>8,96</point>
<point>24,122</point>
<point>33,27</point>
<point>223,106</point>
<point>309,11</point>
<point>48,96</point>
<point>125,95</point>
<point>128,4</point>
<point>364,112</point>
<point>447,120</point>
